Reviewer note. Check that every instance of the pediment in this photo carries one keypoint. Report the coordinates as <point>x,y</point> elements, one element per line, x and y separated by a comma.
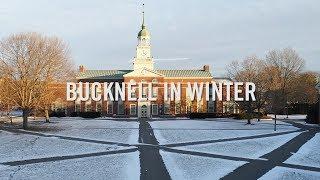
<point>144,72</point>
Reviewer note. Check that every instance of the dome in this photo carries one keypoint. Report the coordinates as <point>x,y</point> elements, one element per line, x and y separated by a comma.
<point>143,32</point>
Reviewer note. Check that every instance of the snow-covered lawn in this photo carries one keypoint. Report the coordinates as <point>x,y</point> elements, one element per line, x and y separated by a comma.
<point>118,166</point>
<point>282,173</point>
<point>308,154</point>
<point>15,147</point>
<point>251,148</point>
<point>26,146</point>
<point>181,166</point>
<point>168,132</point>
<point>23,146</point>
<point>96,129</point>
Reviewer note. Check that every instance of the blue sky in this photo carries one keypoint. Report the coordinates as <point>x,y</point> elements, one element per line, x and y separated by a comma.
<point>102,34</point>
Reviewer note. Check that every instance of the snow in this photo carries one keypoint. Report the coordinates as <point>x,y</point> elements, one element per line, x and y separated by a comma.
<point>308,154</point>
<point>21,146</point>
<point>199,130</point>
<point>292,116</point>
<point>283,173</point>
<point>96,129</point>
<point>181,166</point>
<point>15,147</point>
<point>251,148</point>
<point>15,113</point>
<point>118,166</point>
<point>3,167</point>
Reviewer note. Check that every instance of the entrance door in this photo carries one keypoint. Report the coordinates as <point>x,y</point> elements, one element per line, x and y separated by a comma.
<point>144,111</point>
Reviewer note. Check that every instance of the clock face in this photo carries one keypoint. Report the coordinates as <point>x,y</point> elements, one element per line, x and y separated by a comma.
<point>144,53</point>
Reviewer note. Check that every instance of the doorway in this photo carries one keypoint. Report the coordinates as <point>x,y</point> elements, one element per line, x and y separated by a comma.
<point>144,110</point>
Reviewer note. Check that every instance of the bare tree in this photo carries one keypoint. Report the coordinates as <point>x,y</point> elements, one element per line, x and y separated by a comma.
<point>303,88</point>
<point>6,106</point>
<point>29,63</point>
<point>284,67</point>
<point>55,92</point>
<point>45,103</point>
<point>251,69</point>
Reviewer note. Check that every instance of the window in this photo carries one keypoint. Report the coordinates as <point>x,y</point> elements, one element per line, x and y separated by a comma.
<point>236,109</point>
<point>58,105</point>
<point>169,93</point>
<point>188,104</point>
<point>110,108</point>
<point>99,107</point>
<point>210,108</point>
<point>53,108</point>
<point>88,107</point>
<point>154,81</point>
<point>230,107</point>
<point>98,91</point>
<point>199,106</point>
<point>154,109</point>
<point>167,107</point>
<point>177,107</point>
<point>120,108</point>
<point>144,92</point>
<point>133,93</point>
<point>210,92</point>
<point>188,109</point>
<point>133,109</point>
<point>77,107</point>
<point>193,108</point>
<point>155,92</point>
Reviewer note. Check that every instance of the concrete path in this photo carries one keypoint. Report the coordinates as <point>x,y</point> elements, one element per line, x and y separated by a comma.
<point>256,169</point>
<point>151,163</point>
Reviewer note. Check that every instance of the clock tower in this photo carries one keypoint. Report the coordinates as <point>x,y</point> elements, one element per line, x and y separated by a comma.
<point>143,57</point>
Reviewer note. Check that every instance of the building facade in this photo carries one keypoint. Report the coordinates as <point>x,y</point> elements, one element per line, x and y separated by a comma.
<point>144,72</point>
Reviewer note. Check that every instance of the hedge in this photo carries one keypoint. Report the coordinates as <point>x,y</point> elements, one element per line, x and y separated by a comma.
<point>313,114</point>
<point>57,114</point>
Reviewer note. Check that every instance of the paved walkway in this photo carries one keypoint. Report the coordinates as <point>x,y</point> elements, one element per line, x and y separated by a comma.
<point>151,163</point>
<point>60,158</point>
<point>153,167</point>
<point>65,137</point>
<point>256,169</point>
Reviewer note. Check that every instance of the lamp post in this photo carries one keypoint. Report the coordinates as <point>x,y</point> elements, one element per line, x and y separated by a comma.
<point>318,88</point>
<point>275,122</point>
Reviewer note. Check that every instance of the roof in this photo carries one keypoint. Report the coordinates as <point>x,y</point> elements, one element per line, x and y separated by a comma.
<point>102,74</point>
<point>185,73</point>
<point>118,74</point>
